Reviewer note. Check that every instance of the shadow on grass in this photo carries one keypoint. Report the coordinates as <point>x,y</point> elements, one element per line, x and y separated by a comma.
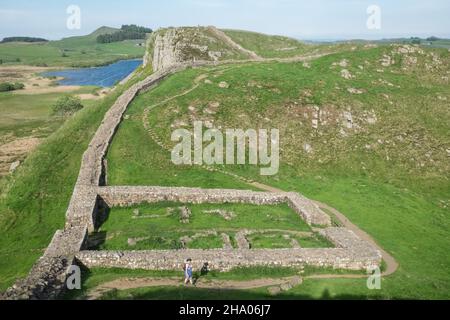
<point>189,293</point>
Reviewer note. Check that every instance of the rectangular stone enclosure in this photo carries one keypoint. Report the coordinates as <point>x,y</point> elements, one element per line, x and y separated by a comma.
<point>349,251</point>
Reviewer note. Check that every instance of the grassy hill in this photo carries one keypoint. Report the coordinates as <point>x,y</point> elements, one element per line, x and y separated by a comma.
<point>365,131</point>
<point>83,51</point>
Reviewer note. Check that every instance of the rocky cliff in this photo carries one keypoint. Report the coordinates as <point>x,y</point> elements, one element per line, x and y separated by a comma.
<point>168,47</point>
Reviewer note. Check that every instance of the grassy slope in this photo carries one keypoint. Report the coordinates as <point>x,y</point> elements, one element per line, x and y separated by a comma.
<point>153,165</point>
<point>401,204</point>
<point>34,199</point>
<point>81,51</point>
<point>268,46</point>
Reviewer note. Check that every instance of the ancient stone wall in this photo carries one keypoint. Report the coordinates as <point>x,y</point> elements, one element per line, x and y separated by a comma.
<point>47,278</point>
<point>350,253</point>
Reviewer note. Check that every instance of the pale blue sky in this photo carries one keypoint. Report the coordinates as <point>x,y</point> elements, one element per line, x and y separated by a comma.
<point>312,19</point>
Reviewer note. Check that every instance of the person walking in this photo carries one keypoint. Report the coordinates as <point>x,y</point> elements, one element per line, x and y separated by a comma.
<point>188,273</point>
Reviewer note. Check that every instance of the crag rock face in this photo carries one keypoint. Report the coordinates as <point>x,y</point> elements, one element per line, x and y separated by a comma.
<point>173,46</point>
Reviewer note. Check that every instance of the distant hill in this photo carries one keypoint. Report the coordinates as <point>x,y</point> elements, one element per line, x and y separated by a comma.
<point>23,39</point>
<point>84,40</point>
<point>79,51</point>
<point>432,42</point>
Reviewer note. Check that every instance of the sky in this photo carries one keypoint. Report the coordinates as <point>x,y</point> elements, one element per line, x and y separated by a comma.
<point>309,20</point>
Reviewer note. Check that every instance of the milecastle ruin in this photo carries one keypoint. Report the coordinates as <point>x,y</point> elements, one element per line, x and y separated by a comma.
<point>91,195</point>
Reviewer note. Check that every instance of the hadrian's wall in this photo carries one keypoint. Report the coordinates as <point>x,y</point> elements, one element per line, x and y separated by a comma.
<point>47,278</point>
<point>350,253</point>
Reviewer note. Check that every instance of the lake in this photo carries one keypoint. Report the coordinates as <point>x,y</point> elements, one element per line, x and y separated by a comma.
<point>106,76</point>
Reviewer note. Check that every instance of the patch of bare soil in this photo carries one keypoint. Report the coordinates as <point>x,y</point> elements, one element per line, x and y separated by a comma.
<point>14,152</point>
<point>94,96</point>
<point>34,83</point>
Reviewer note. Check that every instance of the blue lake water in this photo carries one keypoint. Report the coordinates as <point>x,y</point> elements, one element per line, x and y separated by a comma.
<point>105,76</point>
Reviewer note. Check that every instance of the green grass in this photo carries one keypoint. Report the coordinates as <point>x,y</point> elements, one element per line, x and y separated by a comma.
<point>209,242</point>
<point>34,199</point>
<point>81,51</point>
<point>153,166</point>
<point>23,114</point>
<point>268,46</point>
<point>276,240</point>
<point>269,241</point>
<point>165,231</point>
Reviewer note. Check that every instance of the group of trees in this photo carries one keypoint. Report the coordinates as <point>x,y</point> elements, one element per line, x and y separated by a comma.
<point>127,32</point>
<point>23,39</point>
<point>417,40</point>
<point>7,86</point>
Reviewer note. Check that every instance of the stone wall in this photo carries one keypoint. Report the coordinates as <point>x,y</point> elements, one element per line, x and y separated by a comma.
<point>47,278</point>
<point>350,253</point>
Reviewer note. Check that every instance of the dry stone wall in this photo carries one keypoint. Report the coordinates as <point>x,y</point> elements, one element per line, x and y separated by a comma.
<point>350,253</point>
<point>47,278</point>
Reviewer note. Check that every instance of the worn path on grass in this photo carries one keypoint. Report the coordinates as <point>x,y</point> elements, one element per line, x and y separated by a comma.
<point>135,283</point>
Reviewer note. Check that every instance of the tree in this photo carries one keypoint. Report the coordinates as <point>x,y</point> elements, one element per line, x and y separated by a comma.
<point>67,105</point>
<point>415,40</point>
<point>7,86</point>
<point>433,38</point>
<point>18,86</point>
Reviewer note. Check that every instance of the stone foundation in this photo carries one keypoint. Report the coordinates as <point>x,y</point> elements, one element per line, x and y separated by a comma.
<point>350,253</point>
